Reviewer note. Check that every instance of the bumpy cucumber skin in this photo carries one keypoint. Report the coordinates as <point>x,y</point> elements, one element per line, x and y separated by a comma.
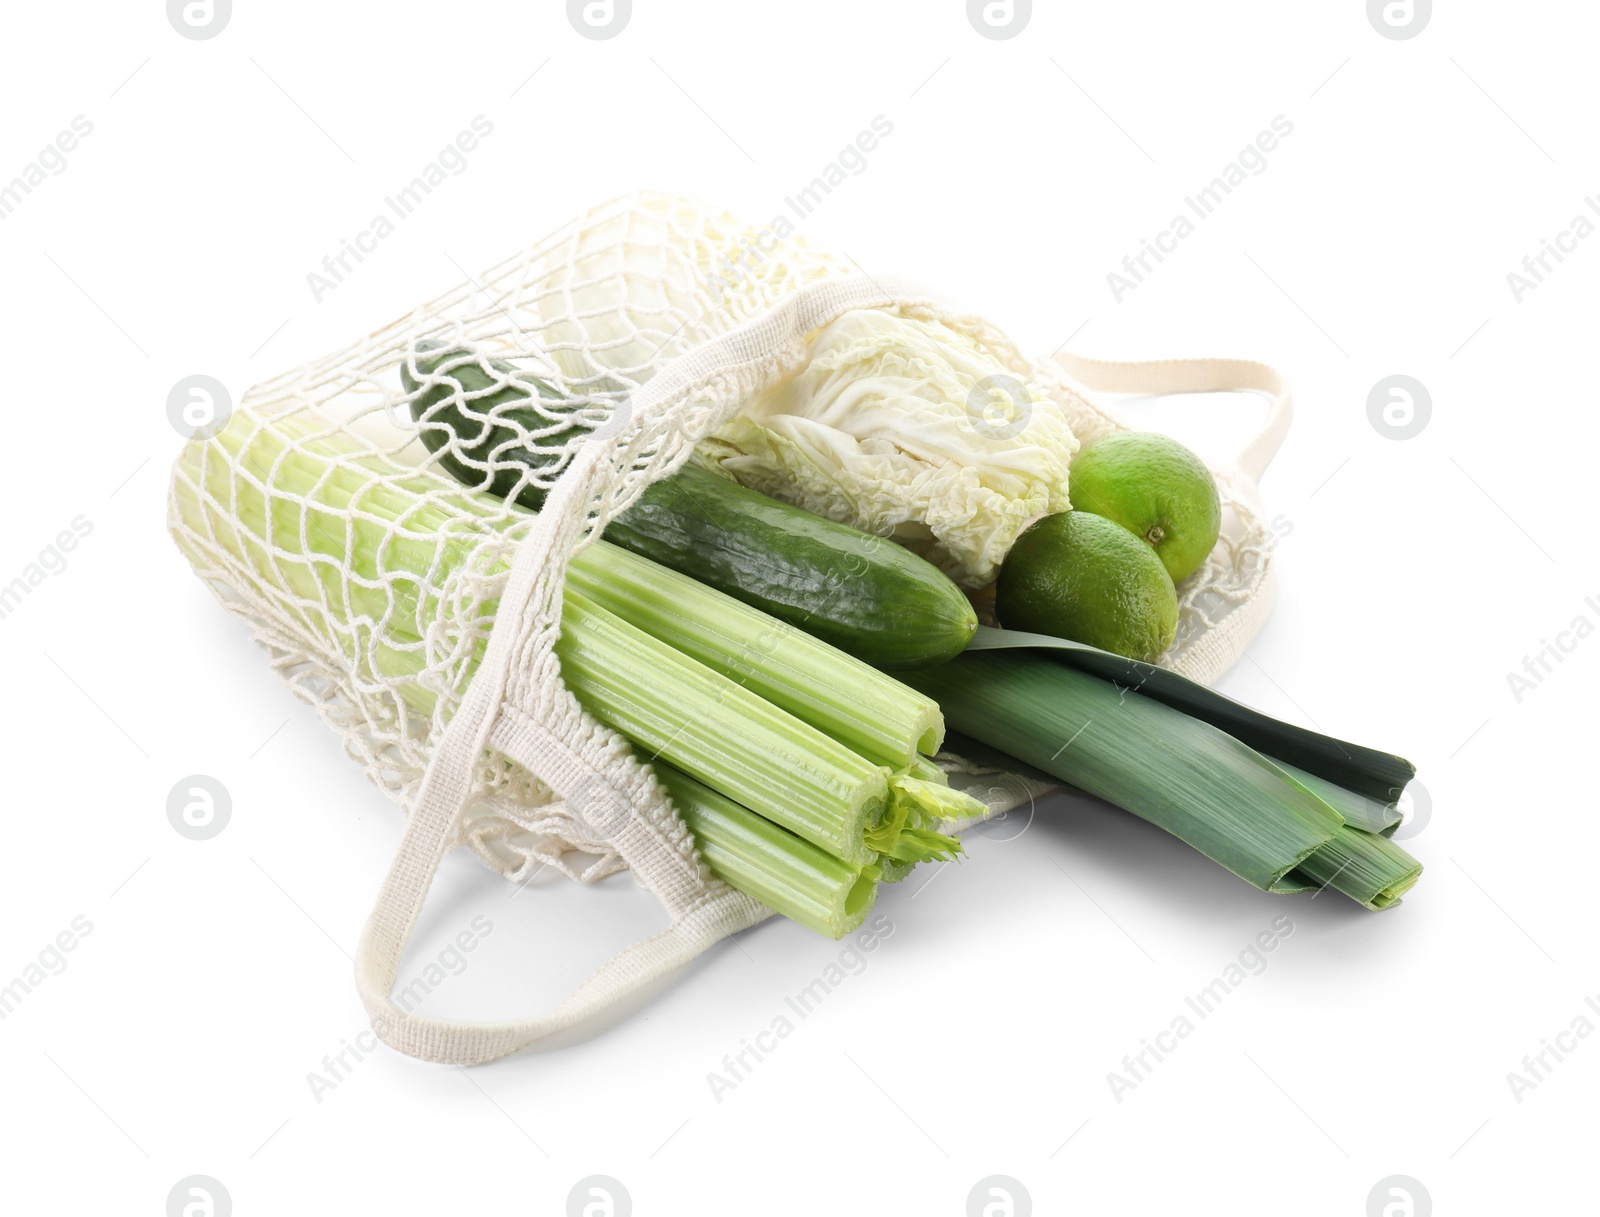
<point>865,595</point>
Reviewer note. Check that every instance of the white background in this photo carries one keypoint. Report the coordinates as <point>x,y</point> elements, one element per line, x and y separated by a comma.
<point>1416,575</point>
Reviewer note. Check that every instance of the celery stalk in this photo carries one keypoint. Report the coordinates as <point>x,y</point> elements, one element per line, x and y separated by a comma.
<point>753,854</point>
<point>748,749</point>
<point>318,479</point>
<point>360,547</point>
<point>770,863</point>
<point>856,704</point>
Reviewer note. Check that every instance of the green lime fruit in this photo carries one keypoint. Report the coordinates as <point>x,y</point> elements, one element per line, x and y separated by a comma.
<point>1155,488</point>
<point>1079,576</point>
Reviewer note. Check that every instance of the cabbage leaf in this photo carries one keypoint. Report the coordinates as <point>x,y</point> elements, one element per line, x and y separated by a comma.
<point>905,428</point>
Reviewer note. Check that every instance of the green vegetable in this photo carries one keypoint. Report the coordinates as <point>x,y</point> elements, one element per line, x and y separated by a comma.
<point>361,548</point>
<point>909,429</point>
<point>1372,870</point>
<point>489,426</point>
<point>863,594</point>
<point>493,429</point>
<point>1362,772</point>
<point>856,704</point>
<point>762,860</point>
<point>723,734</point>
<point>1184,775</point>
<point>1358,811</point>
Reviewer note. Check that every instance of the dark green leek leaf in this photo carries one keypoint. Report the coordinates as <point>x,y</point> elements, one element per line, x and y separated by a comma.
<point>1379,776</point>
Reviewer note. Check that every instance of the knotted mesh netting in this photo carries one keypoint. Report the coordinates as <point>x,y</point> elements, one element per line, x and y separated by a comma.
<point>329,514</point>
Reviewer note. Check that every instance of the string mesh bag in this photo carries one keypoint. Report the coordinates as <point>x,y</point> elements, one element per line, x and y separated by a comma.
<point>419,618</point>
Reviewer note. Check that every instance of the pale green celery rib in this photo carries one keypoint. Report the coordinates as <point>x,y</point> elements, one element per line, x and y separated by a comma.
<point>895,870</point>
<point>1358,811</point>
<point>909,832</point>
<point>754,756</point>
<point>749,852</point>
<point>1372,870</point>
<point>746,851</point>
<point>933,801</point>
<point>747,748</point>
<point>869,712</point>
<point>1182,775</point>
<point>333,506</point>
<point>914,845</point>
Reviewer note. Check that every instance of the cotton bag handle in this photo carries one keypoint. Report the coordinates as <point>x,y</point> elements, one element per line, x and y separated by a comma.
<point>1162,376</point>
<point>484,719</point>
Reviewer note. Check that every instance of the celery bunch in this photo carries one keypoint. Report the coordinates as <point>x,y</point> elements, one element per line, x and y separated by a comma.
<point>799,769</point>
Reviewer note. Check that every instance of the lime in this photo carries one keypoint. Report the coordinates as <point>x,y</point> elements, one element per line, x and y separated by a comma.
<point>1079,576</point>
<point>1155,488</point>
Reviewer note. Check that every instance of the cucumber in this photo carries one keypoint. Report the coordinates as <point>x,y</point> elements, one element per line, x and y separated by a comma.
<point>493,450</point>
<point>864,594</point>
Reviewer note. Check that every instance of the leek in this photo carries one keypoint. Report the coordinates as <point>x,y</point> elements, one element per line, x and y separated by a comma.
<point>1274,825</point>
<point>1182,775</point>
<point>1374,775</point>
<point>1372,870</point>
<point>1357,810</point>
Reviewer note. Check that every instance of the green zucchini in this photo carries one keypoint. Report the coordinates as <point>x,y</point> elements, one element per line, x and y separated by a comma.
<point>864,594</point>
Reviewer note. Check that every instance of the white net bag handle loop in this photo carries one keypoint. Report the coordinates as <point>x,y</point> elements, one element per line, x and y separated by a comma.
<point>701,914</point>
<point>1161,376</point>
<point>429,832</point>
